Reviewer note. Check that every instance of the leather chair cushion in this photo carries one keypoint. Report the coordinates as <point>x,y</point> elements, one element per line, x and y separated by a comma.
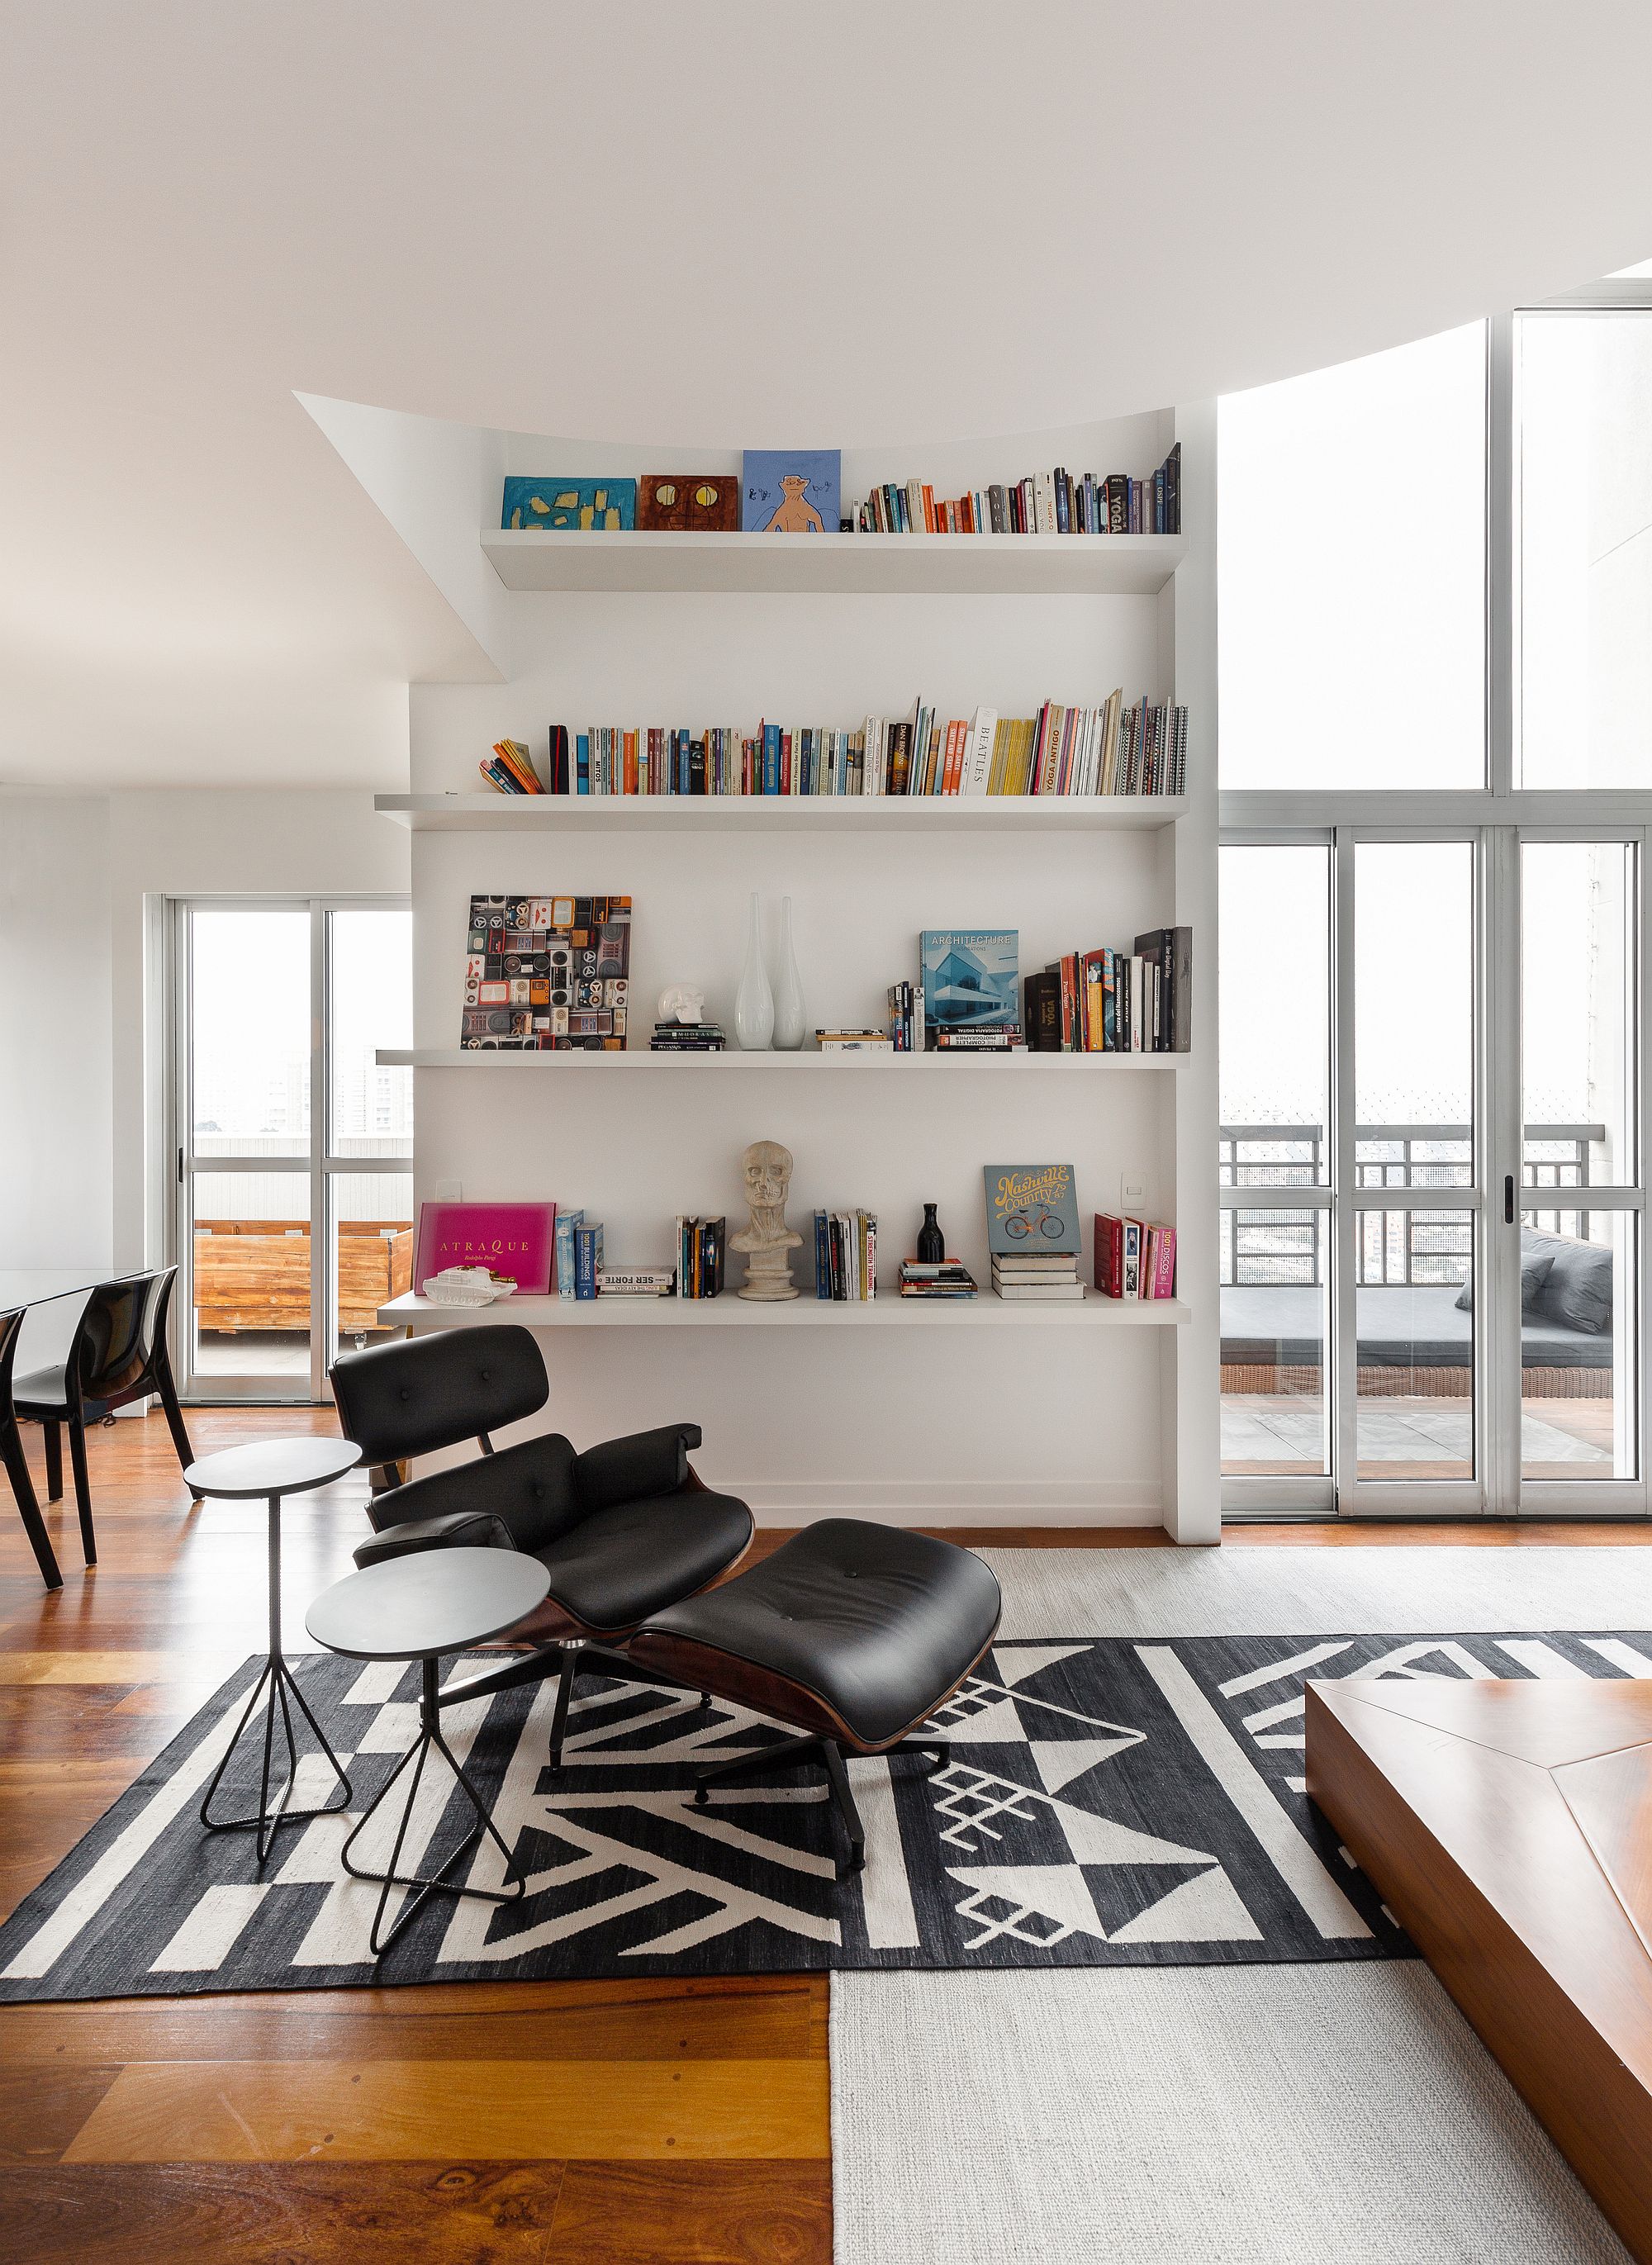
<point>43,1393</point>
<point>409,1396</point>
<point>852,1624</point>
<point>620,1564</point>
<point>528,1488</point>
<point>642,1463</point>
<point>461,1529</point>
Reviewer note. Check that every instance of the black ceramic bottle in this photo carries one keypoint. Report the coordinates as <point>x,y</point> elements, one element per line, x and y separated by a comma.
<point>932,1247</point>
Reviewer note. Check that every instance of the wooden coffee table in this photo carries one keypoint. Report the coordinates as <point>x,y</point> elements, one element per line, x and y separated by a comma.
<point>1509,1827</point>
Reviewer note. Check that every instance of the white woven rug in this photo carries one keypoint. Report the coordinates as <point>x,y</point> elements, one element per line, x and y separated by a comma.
<point>1280,2115</point>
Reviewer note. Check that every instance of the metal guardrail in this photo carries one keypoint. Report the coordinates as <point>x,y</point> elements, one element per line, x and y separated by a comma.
<point>1268,1247</point>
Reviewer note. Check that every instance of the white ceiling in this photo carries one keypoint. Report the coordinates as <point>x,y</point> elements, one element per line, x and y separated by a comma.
<point>717,223</point>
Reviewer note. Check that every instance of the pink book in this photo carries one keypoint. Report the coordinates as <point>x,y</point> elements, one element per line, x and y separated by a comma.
<point>1163,1284</point>
<point>517,1238</point>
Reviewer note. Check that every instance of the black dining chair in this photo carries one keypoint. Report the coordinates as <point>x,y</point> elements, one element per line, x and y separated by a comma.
<point>118,1355</point>
<point>17,1462</point>
<point>624,1528</point>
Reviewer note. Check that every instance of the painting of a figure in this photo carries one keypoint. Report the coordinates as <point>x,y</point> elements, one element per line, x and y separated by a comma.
<point>790,491</point>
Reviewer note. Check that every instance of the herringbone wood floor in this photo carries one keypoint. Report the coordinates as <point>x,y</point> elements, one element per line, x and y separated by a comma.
<point>558,2123</point>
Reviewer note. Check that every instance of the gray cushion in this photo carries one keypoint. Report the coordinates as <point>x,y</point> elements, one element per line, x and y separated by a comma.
<point>1537,1256</point>
<point>1578,1291</point>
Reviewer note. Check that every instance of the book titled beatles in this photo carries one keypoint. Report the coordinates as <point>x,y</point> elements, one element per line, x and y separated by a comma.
<point>515,1240</point>
<point>547,972</point>
<point>1134,1258</point>
<point>1032,1209</point>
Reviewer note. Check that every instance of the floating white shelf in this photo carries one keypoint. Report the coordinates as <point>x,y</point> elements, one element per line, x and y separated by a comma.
<point>732,1311</point>
<point>580,1063</point>
<point>765,814</point>
<point>950,565</point>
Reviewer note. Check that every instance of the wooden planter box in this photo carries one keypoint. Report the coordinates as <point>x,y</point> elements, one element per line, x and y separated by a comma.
<point>254,1273</point>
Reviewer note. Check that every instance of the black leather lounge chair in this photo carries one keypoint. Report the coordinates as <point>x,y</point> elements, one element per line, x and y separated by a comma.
<point>624,1529</point>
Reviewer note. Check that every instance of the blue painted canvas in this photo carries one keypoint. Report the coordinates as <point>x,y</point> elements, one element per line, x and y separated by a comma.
<point>574,504</point>
<point>970,977</point>
<point>790,491</point>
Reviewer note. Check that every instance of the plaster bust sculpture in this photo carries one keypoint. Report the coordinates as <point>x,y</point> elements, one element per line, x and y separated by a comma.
<point>766,1168</point>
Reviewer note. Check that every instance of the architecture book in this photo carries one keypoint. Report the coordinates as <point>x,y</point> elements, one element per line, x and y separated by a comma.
<point>970,978</point>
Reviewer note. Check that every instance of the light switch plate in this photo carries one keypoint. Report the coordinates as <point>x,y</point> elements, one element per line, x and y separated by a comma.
<point>1133,1195</point>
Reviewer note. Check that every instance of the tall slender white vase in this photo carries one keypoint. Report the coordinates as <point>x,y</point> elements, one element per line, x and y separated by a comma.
<point>754,1003</point>
<point>791,1014</point>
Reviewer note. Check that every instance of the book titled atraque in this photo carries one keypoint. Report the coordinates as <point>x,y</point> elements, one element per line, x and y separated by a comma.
<point>970,977</point>
<point>1031,1208</point>
<point>512,1239</point>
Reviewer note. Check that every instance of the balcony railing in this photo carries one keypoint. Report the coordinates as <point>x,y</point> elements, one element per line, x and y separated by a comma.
<point>1266,1247</point>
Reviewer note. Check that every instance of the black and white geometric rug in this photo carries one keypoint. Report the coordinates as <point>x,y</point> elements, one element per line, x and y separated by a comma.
<point>1106,1802</point>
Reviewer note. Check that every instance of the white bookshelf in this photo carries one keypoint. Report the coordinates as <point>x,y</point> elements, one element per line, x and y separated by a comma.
<point>878,564</point>
<point>825,814</point>
<point>732,1311</point>
<point>814,1063</point>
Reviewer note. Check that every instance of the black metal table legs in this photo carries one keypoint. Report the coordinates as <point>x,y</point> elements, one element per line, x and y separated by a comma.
<point>438,1882</point>
<point>787,1752</point>
<point>280,1685</point>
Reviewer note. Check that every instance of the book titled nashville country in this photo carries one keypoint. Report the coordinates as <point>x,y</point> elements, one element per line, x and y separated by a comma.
<point>1031,1210</point>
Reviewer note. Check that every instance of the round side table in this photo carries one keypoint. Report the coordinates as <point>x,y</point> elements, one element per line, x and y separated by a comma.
<point>420,1606</point>
<point>272,1468</point>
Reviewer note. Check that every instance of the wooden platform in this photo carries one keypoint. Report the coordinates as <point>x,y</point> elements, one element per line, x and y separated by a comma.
<point>1509,1825</point>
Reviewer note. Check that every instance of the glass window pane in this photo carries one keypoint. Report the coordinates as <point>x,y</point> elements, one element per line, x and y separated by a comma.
<point>249,1031</point>
<point>1415,1414</point>
<point>1584,550</point>
<point>251,1274</point>
<point>1578,1354</point>
<point>1351,572</point>
<point>371,969</point>
<point>1414,1013</point>
<point>371,1251</point>
<point>1577,1013</point>
<point>1274,1036</point>
<point>1274,1277</point>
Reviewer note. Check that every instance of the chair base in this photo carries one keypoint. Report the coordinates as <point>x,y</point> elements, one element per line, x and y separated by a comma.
<point>437,1883</point>
<point>788,1751</point>
<point>265,1820</point>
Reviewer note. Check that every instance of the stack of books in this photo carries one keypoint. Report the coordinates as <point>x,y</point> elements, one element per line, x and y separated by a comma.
<point>846,1255</point>
<point>635,1281</point>
<point>1037,1277</point>
<point>1134,1258</point>
<point>1108,1001</point>
<point>510,768</point>
<point>1056,502</point>
<point>1005,1039</point>
<point>905,1017</point>
<point>942,1278</point>
<point>687,1038</point>
<point>701,1247</point>
<point>854,1042</point>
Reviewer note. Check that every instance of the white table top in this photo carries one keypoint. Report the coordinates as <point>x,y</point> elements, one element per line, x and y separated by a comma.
<point>272,1467</point>
<point>38,1286</point>
<point>430,1602</point>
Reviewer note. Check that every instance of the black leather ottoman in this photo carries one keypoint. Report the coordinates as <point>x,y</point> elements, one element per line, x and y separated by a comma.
<point>854,1633</point>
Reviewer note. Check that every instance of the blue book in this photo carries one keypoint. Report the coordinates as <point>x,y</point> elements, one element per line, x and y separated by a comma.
<point>822,1257</point>
<point>587,1258</point>
<point>566,1222</point>
<point>582,777</point>
<point>1032,1210</point>
<point>771,759</point>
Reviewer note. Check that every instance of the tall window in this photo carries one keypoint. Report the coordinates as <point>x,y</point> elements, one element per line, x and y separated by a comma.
<point>1352,572</point>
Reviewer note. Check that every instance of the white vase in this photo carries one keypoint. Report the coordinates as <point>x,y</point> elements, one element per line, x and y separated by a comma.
<point>754,1006</point>
<point>788,1005</point>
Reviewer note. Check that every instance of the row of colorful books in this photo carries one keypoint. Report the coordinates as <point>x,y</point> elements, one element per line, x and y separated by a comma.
<point>846,1256</point>
<point>1134,1258</point>
<point>1057,502</point>
<point>1108,1001</point>
<point>1111,749</point>
<point>702,1255</point>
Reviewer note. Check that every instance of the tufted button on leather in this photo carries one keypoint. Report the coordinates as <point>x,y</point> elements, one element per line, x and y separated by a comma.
<point>404,1393</point>
<point>538,1490</point>
<point>485,1376</point>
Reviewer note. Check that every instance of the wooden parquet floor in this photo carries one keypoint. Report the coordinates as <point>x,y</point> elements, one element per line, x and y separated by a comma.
<point>648,2123</point>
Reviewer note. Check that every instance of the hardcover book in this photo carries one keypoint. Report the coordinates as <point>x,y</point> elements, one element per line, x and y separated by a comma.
<point>1031,1208</point>
<point>970,976</point>
<point>514,1239</point>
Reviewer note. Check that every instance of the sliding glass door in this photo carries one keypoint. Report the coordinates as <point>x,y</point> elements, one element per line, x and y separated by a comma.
<point>293,1150</point>
<point>1430,1169</point>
